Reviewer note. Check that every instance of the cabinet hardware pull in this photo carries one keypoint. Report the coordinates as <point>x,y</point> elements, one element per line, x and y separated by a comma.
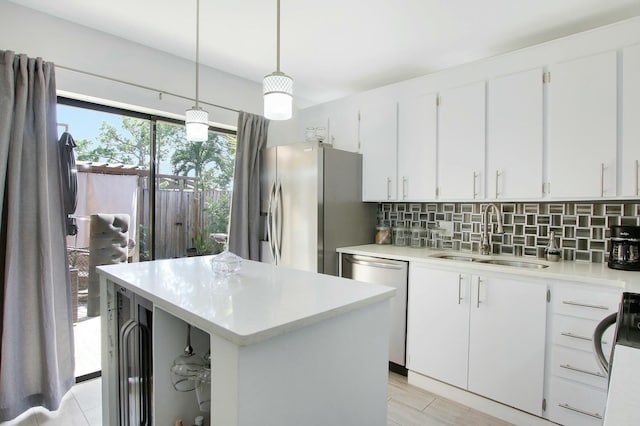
<point>637,177</point>
<point>478,301</point>
<point>577,410</point>
<point>577,336</point>
<point>497,177</point>
<point>580,370</point>
<point>404,187</point>
<point>475,176</point>
<point>585,305</point>
<point>602,179</point>
<point>459,288</point>
<point>388,188</point>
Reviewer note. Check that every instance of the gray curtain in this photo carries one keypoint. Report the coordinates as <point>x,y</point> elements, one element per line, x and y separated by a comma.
<point>36,341</point>
<point>244,238</point>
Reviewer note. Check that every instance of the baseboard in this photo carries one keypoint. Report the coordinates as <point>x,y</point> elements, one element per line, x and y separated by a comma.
<point>477,402</point>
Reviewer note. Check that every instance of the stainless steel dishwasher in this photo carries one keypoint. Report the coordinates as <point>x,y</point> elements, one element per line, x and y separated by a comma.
<point>394,274</point>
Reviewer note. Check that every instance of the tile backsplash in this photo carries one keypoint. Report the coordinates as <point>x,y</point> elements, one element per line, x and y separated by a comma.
<point>581,228</point>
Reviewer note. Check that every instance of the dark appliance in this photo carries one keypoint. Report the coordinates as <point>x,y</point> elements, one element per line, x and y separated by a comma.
<point>627,332</point>
<point>135,368</point>
<point>625,248</point>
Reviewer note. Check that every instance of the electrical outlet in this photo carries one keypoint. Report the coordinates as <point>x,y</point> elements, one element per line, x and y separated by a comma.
<point>446,228</point>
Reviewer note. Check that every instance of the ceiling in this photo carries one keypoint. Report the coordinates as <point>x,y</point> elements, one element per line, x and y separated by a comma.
<point>333,48</point>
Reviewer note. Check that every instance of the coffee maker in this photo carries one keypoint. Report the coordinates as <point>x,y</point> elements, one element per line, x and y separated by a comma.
<point>625,248</point>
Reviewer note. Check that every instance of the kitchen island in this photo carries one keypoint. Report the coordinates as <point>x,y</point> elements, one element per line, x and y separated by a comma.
<point>288,347</point>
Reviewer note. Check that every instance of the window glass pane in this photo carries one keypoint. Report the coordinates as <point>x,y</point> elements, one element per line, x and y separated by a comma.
<point>193,191</point>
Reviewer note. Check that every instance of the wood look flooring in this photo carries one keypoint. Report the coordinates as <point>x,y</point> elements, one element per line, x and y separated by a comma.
<point>412,406</point>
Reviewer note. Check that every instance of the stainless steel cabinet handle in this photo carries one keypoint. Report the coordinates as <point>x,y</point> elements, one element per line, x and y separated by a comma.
<point>475,176</point>
<point>637,177</point>
<point>478,301</point>
<point>580,370</point>
<point>585,305</point>
<point>498,174</point>
<point>125,332</point>
<point>404,187</point>
<point>278,223</point>
<point>577,336</point>
<point>577,410</point>
<point>270,231</point>
<point>602,179</point>
<point>459,288</point>
<point>388,188</point>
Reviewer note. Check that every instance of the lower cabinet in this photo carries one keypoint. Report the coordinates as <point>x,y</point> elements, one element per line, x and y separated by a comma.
<point>576,392</point>
<point>480,332</point>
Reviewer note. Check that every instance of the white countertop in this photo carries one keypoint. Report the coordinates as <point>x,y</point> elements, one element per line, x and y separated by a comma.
<point>591,273</point>
<point>259,302</point>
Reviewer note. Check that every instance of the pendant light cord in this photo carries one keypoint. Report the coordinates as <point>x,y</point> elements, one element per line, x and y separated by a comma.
<point>198,47</point>
<point>277,40</point>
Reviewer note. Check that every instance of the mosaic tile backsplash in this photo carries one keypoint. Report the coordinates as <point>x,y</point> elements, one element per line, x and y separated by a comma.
<point>581,229</point>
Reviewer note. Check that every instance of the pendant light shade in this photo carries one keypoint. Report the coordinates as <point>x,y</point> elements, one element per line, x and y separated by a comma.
<point>197,119</point>
<point>277,88</point>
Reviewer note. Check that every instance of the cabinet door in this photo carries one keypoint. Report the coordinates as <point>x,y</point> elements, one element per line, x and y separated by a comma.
<point>461,143</point>
<point>514,136</point>
<point>417,132</point>
<point>630,154</point>
<point>378,139</point>
<point>582,127</point>
<point>438,324</point>
<point>343,128</point>
<point>507,341</point>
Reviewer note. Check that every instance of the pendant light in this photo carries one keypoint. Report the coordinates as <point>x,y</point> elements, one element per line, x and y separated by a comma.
<point>278,88</point>
<point>197,119</point>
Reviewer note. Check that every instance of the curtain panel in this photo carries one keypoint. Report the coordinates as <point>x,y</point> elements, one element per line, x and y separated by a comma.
<point>36,340</point>
<point>244,232</point>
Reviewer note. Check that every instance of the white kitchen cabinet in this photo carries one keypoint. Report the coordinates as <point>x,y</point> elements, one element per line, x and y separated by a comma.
<point>583,127</point>
<point>507,341</point>
<point>438,324</point>
<point>461,142</point>
<point>417,136</point>
<point>630,155</point>
<point>378,141</point>
<point>343,128</point>
<point>479,332</point>
<point>514,136</point>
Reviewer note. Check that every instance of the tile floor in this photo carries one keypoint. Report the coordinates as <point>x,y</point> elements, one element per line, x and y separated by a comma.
<point>407,406</point>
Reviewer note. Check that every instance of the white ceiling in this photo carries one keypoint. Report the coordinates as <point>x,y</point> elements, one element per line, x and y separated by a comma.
<point>333,48</point>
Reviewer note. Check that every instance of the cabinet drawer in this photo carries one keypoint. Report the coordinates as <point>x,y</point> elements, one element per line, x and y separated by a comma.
<point>577,333</point>
<point>585,302</point>
<point>577,365</point>
<point>574,404</point>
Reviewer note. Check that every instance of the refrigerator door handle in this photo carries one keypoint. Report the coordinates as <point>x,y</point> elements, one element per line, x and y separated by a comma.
<point>278,223</point>
<point>270,219</point>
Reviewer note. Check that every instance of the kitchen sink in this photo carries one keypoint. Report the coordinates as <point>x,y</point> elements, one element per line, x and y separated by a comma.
<point>514,263</point>
<point>501,262</point>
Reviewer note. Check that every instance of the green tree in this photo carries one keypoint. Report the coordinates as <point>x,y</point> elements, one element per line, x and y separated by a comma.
<point>218,152</point>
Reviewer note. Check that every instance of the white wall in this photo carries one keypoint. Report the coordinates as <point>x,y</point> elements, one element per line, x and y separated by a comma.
<point>24,30</point>
<point>609,37</point>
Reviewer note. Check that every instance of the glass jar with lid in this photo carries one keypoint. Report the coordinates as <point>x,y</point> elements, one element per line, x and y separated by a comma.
<point>399,235</point>
<point>383,234</point>
<point>418,237</point>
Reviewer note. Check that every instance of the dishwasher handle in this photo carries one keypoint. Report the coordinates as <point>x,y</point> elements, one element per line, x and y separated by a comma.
<point>377,263</point>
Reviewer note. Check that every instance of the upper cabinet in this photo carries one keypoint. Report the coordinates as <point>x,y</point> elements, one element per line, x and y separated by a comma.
<point>583,128</point>
<point>343,128</point>
<point>630,154</point>
<point>417,133</point>
<point>515,136</point>
<point>378,142</point>
<point>461,143</point>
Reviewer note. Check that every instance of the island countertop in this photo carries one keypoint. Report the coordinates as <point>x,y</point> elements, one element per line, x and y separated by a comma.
<point>259,302</point>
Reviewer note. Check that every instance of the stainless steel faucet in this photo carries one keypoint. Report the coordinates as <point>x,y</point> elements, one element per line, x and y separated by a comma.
<point>485,246</point>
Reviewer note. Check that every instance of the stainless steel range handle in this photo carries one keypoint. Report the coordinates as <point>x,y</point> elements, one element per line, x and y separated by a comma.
<point>577,410</point>
<point>376,264</point>
<point>581,370</point>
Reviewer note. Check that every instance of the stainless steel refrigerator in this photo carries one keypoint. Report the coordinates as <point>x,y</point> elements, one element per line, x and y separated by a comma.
<point>311,203</point>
